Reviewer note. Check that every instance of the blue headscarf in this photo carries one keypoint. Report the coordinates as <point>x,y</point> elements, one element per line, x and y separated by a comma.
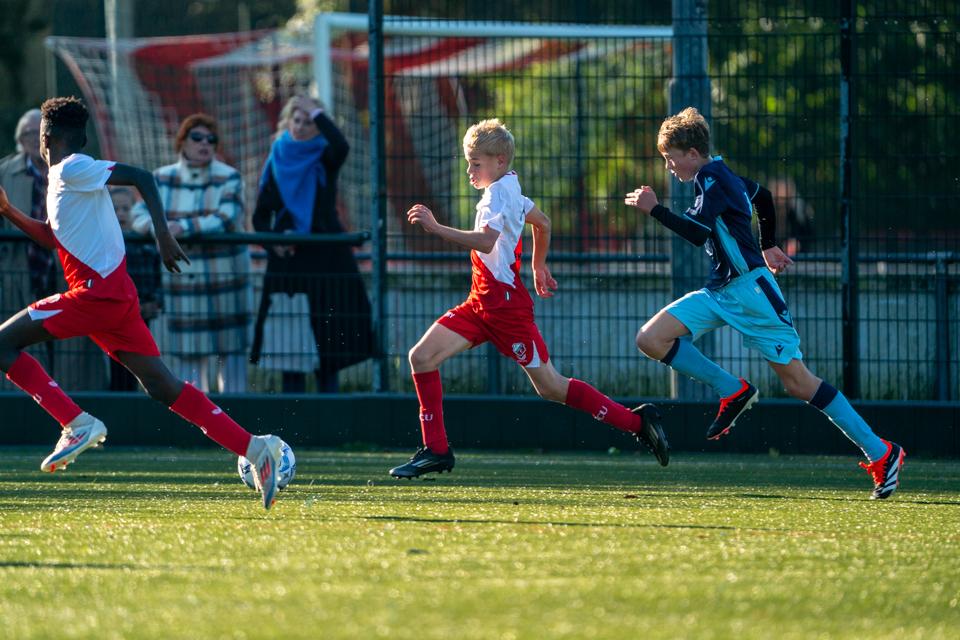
<point>296,169</point>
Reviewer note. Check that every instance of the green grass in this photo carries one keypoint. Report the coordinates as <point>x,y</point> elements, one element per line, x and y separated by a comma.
<point>165,543</point>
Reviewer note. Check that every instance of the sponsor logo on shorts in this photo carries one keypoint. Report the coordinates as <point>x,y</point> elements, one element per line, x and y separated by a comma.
<point>779,349</point>
<point>601,414</point>
<point>519,350</point>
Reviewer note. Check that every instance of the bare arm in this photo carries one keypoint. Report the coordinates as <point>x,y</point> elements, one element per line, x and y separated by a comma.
<point>542,279</point>
<point>40,232</point>
<point>146,184</point>
<point>483,241</point>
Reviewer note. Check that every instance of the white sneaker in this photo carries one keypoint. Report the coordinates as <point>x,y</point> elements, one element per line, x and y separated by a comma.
<point>83,432</point>
<point>265,464</point>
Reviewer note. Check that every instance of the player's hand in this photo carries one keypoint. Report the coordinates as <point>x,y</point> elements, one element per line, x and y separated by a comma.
<point>777,261</point>
<point>544,282</point>
<point>643,198</point>
<point>424,216</point>
<point>170,252</point>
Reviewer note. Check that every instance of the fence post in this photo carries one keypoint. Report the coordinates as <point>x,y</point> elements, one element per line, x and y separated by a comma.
<point>849,284</point>
<point>378,196</point>
<point>943,328</point>
<point>689,87</point>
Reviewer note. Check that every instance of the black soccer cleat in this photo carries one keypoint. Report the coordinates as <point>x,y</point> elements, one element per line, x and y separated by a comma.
<point>732,408</point>
<point>424,461</point>
<point>651,434</point>
<point>886,472</point>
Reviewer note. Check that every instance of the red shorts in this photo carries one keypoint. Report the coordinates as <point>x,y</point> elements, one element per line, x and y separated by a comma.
<point>512,331</point>
<point>113,324</point>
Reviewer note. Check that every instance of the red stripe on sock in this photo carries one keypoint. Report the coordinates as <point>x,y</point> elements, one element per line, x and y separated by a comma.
<point>29,375</point>
<point>582,396</point>
<point>194,406</point>
<point>430,394</point>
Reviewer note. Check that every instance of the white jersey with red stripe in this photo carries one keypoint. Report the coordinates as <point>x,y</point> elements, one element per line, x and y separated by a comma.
<point>84,223</point>
<point>496,275</point>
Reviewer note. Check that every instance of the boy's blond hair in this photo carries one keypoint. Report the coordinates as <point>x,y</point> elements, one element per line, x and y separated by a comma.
<point>491,138</point>
<point>684,131</point>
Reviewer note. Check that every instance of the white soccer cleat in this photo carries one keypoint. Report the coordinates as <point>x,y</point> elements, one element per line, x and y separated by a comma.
<point>83,432</point>
<point>265,465</point>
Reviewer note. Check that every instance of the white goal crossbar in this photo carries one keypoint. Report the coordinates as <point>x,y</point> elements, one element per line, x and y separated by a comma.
<point>326,26</point>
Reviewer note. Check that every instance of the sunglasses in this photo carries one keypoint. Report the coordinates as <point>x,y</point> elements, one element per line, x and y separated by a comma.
<point>196,136</point>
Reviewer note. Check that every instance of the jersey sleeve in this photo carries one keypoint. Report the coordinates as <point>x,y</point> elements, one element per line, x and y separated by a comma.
<point>709,203</point>
<point>528,205</point>
<point>86,174</point>
<point>492,209</point>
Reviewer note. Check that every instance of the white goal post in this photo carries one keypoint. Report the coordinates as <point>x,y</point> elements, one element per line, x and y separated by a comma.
<point>326,26</point>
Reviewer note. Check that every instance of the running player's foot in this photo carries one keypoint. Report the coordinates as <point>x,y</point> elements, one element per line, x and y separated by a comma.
<point>732,408</point>
<point>83,432</point>
<point>886,471</point>
<point>266,461</point>
<point>424,461</point>
<point>651,434</point>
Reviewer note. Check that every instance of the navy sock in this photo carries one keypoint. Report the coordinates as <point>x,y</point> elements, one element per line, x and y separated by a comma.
<point>687,359</point>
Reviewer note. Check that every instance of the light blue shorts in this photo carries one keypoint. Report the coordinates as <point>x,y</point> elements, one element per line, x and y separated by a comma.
<point>753,305</point>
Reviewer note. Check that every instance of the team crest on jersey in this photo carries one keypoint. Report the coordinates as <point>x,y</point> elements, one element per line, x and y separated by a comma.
<point>520,350</point>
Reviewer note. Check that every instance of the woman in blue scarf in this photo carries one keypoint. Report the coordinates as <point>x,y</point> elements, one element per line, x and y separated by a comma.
<point>298,194</point>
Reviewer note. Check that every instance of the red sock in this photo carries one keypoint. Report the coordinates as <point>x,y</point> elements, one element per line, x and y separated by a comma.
<point>27,374</point>
<point>196,407</point>
<point>582,396</point>
<point>430,394</point>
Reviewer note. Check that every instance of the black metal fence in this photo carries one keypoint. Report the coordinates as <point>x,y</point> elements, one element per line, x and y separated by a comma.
<point>846,111</point>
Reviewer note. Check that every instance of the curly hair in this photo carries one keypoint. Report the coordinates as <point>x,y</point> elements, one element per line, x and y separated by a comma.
<point>684,131</point>
<point>66,120</point>
<point>491,138</point>
<point>191,122</point>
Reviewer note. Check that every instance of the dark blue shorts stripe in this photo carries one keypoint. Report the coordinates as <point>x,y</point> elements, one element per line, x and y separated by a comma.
<point>775,301</point>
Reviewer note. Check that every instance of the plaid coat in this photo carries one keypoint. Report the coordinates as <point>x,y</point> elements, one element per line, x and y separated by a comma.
<point>209,306</point>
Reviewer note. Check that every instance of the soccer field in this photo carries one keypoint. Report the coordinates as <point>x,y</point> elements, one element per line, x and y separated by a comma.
<point>164,543</point>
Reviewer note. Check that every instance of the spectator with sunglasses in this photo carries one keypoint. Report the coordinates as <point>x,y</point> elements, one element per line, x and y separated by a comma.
<point>209,307</point>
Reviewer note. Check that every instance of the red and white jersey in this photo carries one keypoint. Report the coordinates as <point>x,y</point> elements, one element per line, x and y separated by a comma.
<point>84,222</point>
<point>496,275</point>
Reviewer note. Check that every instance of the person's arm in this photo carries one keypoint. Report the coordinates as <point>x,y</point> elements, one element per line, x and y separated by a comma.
<point>483,240</point>
<point>776,260</point>
<point>337,147</point>
<point>646,200</point>
<point>146,184</point>
<point>542,279</point>
<point>39,232</point>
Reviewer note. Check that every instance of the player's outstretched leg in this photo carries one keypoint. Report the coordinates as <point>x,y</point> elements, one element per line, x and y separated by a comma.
<point>194,406</point>
<point>643,422</point>
<point>885,458</point>
<point>435,456</point>
<point>80,430</point>
<point>667,339</point>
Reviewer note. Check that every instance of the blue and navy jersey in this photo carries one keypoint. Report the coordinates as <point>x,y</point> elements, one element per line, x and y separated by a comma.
<point>724,207</point>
